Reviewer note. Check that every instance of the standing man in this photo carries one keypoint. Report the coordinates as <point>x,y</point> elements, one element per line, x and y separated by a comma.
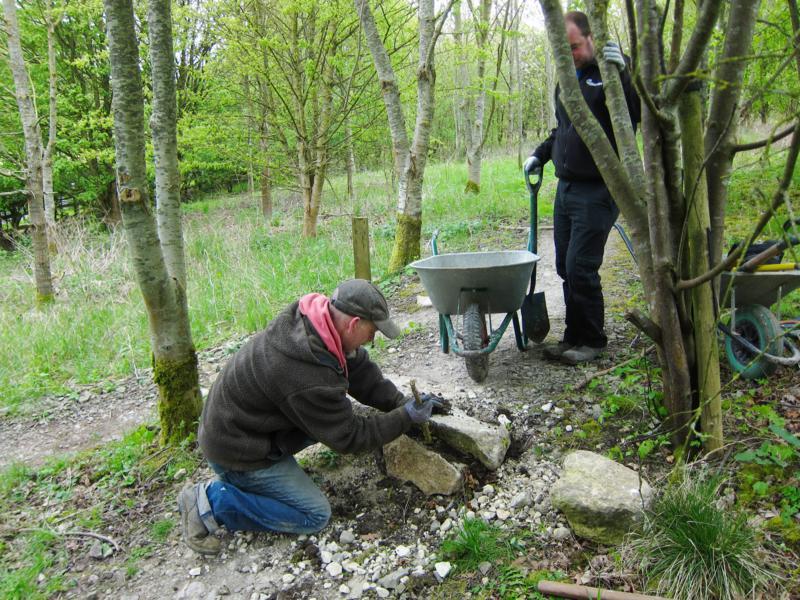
<point>584,210</point>
<point>284,390</point>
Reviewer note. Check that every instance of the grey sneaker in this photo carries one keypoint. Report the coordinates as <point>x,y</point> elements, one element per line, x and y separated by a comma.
<point>554,351</point>
<point>195,534</point>
<point>580,354</point>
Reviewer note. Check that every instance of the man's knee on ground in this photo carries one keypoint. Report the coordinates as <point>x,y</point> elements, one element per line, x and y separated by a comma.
<point>318,517</point>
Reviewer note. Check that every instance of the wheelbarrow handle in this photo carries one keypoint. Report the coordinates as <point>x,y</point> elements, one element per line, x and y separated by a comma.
<point>533,191</point>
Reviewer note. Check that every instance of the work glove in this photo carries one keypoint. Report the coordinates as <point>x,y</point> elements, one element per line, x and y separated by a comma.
<point>532,165</point>
<point>440,405</point>
<point>612,54</point>
<point>420,414</point>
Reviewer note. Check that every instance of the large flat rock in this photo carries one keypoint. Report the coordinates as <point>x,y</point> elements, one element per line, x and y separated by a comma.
<point>601,499</point>
<point>408,460</point>
<point>484,441</point>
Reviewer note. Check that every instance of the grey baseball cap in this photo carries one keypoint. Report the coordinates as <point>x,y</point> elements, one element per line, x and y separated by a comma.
<point>360,298</point>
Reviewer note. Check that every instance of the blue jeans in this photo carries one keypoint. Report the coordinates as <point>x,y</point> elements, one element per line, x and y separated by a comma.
<point>583,216</point>
<point>279,498</point>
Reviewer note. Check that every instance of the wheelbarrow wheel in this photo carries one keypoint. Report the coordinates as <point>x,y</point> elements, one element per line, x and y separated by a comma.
<point>474,332</point>
<point>756,324</point>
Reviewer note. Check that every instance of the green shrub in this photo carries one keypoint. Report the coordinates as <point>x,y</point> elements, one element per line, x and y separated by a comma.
<point>688,547</point>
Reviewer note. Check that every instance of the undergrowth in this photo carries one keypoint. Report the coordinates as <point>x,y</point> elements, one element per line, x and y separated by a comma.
<point>48,515</point>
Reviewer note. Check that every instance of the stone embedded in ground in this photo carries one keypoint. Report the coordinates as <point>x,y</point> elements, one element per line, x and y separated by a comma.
<point>408,460</point>
<point>488,443</point>
<point>600,498</point>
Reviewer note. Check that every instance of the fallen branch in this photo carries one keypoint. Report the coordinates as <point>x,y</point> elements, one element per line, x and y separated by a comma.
<point>10,533</point>
<point>642,322</point>
<point>582,592</point>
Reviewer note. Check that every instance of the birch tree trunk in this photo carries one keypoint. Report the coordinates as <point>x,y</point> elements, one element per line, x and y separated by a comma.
<point>409,160</point>
<point>163,124</point>
<point>33,154</point>
<point>174,358</point>
<point>475,149</point>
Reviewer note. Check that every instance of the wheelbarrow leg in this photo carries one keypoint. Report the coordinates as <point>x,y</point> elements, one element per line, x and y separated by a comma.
<point>522,344</point>
<point>444,339</point>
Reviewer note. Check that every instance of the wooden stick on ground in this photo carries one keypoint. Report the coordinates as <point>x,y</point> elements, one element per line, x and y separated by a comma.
<point>426,428</point>
<point>581,592</point>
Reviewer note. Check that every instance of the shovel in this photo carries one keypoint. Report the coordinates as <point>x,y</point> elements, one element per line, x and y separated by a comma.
<point>535,322</point>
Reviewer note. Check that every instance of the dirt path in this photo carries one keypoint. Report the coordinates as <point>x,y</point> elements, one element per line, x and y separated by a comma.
<point>100,413</point>
<point>383,535</point>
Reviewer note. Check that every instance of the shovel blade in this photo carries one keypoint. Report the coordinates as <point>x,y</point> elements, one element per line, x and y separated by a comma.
<point>535,322</point>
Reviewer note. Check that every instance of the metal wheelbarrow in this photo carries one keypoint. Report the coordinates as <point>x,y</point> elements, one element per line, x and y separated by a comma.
<point>475,285</point>
<point>757,340</point>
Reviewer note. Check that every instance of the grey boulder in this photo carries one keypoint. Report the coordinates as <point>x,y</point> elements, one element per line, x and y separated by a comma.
<point>601,499</point>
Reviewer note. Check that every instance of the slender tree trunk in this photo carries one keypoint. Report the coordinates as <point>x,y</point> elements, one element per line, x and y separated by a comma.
<point>47,162</point>
<point>515,88</point>
<point>266,175</point>
<point>350,166</point>
<point>174,358</point>
<point>163,124</point>
<point>389,89</point>
<point>460,100</point>
<point>705,369</point>
<point>722,121</point>
<point>33,154</point>
<point>475,149</point>
<point>251,124</point>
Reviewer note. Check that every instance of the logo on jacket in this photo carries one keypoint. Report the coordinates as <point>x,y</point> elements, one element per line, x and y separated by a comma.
<point>594,83</point>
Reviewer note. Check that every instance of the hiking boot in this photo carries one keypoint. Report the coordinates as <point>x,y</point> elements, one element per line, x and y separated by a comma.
<point>580,354</point>
<point>554,351</point>
<point>194,532</point>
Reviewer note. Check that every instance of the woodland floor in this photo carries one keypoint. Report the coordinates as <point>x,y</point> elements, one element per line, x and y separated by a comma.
<point>376,509</point>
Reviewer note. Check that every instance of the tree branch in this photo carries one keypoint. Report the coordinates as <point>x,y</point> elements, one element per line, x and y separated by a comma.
<point>762,143</point>
<point>694,51</point>
<point>778,199</point>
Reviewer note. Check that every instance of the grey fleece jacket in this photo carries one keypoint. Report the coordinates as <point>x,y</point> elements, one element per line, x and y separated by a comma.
<point>283,389</point>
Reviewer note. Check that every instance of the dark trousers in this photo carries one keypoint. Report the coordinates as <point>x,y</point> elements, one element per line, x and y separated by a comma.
<point>583,215</point>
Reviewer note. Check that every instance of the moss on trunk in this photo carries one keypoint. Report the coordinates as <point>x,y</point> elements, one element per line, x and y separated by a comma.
<point>472,187</point>
<point>179,399</point>
<point>406,242</point>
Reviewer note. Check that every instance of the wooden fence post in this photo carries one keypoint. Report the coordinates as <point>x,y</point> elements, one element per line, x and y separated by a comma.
<point>361,248</point>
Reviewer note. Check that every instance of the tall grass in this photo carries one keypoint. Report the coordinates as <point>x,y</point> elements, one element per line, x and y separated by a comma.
<point>690,548</point>
<point>240,273</point>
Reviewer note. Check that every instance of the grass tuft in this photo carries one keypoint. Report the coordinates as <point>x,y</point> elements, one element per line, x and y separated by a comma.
<point>689,547</point>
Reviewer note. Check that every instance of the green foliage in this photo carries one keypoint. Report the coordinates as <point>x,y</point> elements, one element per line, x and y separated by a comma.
<point>87,492</point>
<point>477,541</point>
<point>689,547</point>
<point>240,276</point>
<point>161,529</point>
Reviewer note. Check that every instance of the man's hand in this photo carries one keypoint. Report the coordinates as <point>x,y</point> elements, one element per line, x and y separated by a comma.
<point>612,54</point>
<point>532,165</point>
<point>420,414</point>
<point>441,405</point>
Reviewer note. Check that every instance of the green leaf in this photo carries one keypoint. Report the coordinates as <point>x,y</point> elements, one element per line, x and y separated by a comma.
<point>747,456</point>
<point>761,488</point>
<point>785,435</point>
